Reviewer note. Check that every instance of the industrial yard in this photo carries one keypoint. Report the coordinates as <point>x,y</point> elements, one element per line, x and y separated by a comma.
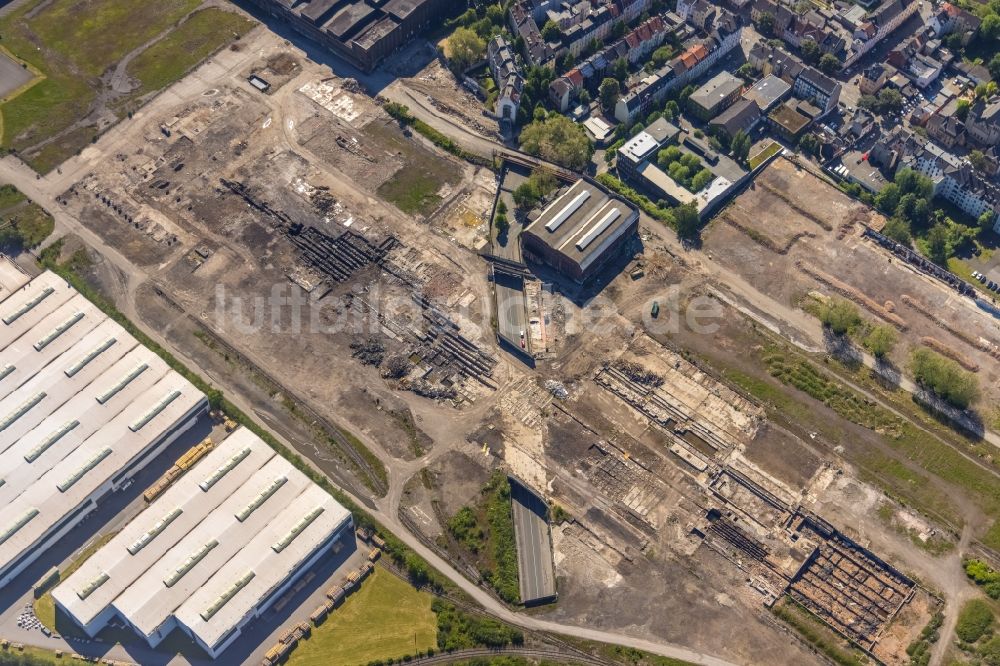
<point>554,410</point>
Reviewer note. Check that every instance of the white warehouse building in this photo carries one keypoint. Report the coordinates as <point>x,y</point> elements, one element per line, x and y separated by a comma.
<point>83,408</point>
<point>212,553</point>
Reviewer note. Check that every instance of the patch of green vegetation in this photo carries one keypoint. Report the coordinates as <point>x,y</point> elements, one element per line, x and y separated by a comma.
<point>773,148</point>
<point>655,211</point>
<point>944,377</point>
<point>458,630</point>
<point>387,618</point>
<point>71,44</point>
<point>919,650</point>
<point>465,527</point>
<point>932,455</point>
<point>29,656</point>
<point>23,224</point>
<point>982,574</point>
<point>198,37</point>
<point>633,657</point>
<point>412,192</point>
<point>818,634</point>
<point>418,569</point>
<point>486,530</point>
<point>974,620</point>
<point>10,196</point>
<point>45,606</point>
<point>402,114</point>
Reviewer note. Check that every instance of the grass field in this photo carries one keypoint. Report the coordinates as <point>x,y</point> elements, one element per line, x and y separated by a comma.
<point>386,618</point>
<point>23,224</point>
<point>71,44</point>
<point>909,443</point>
<point>767,152</point>
<point>194,40</point>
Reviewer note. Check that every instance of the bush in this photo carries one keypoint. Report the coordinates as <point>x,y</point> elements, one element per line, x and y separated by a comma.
<point>839,316</point>
<point>529,193</point>
<point>974,620</point>
<point>881,340</point>
<point>458,630</point>
<point>558,139</point>
<point>944,377</point>
<point>656,212</point>
<point>981,574</point>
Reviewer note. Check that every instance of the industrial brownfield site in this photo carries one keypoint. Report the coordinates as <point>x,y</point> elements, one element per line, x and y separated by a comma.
<point>357,332</point>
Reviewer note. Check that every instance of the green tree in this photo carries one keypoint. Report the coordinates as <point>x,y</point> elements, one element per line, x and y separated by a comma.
<point>701,179</point>
<point>962,109</point>
<point>747,72</point>
<point>662,55</point>
<point>810,50</point>
<point>809,143</point>
<point>829,63</point>
<point>608,93</point>
<point>740,145</point>
<point>619,70</point>
<point>898,230</point>
<point>888,198</point>
<point>839,316</point>
<point>974,620</point>
<point>989,29</point>
<point>944,377</point>
<point>986,220</point>
<point>994,67</point>
<point>881,340</point>
<point>466,48</point>
<point>938,241</point>
<point>765,24</point>
<point>889,99</point>
<point>687,221</point>
<point>618,29</point>
<point>550,31</point>
<point>986,90</point>
<point>978,160</point>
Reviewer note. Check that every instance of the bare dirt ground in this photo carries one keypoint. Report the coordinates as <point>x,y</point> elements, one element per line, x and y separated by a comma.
<point>787,246</point>
<point>638,490</point>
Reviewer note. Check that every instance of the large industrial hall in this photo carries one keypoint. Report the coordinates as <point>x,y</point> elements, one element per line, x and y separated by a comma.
<point>83,409</point>
<point>213,552</point>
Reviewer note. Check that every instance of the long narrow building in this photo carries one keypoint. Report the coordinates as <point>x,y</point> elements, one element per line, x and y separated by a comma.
<point>83,409</point>
<point>212,553</point>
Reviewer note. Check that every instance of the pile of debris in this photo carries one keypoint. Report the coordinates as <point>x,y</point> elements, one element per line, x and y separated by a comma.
<point>369,352</point>
<point>639,374</point>
<point>396,367</point>
<point>432,391</point>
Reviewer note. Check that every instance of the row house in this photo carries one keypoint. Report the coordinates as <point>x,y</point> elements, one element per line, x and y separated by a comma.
<point>807,82</point>
<point>686,67</point>
<point>954,178</point>
<point>634,47</point>
<point>981,127</point>
<point>508,77</point>
<point>523,24</point>
<point>883,20</point>
<point>950,19</point>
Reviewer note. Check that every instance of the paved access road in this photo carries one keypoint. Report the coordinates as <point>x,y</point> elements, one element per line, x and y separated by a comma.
<point>534,545</point>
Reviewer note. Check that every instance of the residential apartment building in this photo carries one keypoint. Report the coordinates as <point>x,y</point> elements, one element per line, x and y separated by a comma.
<point>954,178</point>
<point>507,77</point>
<point>694,61</point>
